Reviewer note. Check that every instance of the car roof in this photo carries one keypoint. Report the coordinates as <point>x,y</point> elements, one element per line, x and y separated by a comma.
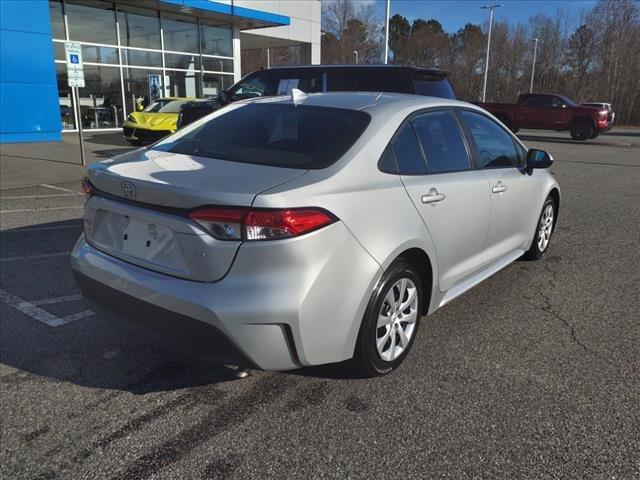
<point>361,100</point>
<point>429,70</point>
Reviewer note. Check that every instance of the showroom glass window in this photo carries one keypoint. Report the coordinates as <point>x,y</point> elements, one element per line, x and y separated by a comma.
<point>65,98</point>
<point>91,21</point>
<point>57,19</point>
<point>101,98</point>
<point>180,33</point>
<point>216,39</point>
<point>126,57</point>
<point>139,28</point>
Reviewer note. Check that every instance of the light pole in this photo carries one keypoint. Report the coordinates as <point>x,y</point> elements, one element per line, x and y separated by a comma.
<point>533,65</point>
<point>386,33</point>
<point>356,54</point>
<point>486,62</point>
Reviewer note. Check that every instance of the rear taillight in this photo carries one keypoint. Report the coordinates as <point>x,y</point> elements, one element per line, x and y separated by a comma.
<point>87,188</point>
<point>222,223</point>
<point>226,223</point>
<point>604,119</point>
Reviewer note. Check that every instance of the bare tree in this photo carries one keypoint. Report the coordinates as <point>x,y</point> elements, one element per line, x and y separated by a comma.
<point>592,58</point>
<point>349,26</point>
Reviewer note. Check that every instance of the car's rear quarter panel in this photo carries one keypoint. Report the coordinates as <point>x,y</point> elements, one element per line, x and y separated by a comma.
<point>373,205</point>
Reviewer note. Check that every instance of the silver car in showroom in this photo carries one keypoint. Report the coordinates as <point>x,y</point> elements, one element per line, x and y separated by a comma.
<point>292,231</point>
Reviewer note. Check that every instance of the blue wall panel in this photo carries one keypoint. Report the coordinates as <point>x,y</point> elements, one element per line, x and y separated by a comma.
<point>231,9</point>
<point>29,106</point>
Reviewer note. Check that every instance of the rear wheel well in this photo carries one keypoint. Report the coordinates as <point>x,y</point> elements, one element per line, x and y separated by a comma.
<point>422,263</point>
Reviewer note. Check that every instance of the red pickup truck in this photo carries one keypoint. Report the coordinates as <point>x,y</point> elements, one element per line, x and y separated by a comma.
<point>543,111</point>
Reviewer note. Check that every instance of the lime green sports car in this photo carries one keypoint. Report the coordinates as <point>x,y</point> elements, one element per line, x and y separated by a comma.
<point>157,120</point>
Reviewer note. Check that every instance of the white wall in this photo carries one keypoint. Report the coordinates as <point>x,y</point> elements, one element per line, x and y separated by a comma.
<point>305,22</point>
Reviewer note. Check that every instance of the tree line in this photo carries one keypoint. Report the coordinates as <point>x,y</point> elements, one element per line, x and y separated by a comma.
<point>594,57</point>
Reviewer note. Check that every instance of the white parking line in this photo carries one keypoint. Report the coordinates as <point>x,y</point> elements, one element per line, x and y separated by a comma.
<point>22,210</point>
<point>60,189</point>
<point>52,301</point>
<point>77,316</point>
<point>40,229</point>
<point>18,197</point>
<point>36,313</point>
<point>34,257</point>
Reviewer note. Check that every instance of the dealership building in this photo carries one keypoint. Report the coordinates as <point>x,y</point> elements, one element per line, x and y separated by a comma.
<point>132,51</point>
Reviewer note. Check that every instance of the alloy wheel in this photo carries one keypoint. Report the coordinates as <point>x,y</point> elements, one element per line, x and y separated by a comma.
<point>545,228</point>
<point>396,319</point>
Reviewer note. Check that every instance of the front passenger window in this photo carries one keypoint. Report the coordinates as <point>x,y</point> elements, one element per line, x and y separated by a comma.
<point>494,145</point>
<point>254,87</point>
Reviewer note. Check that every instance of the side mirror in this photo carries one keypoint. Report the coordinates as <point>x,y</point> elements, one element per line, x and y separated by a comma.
<point>538,159</point>
<point>223,97</point>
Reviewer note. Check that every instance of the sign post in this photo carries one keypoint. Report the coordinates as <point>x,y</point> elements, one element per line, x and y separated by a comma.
<point>75,79</point>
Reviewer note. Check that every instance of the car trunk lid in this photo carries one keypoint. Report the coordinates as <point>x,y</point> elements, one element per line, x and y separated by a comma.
<point>139,210</point>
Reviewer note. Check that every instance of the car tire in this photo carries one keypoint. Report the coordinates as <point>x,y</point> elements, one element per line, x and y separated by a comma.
<point>544,230</point>
<point>581,130</point>
<point>381,347</point>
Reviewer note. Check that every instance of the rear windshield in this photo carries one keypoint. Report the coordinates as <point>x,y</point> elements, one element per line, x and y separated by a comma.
<point>278,135</point>
<point>433,86</point>
<point>165,106</point>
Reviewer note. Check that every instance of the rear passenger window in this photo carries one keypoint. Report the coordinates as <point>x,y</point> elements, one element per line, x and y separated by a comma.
<point>495,146</point>
<point>442,142</point>
<point>388,161</point>
<point>306,83</point>
<point>407,152</point>
<point>542,101</point>
<point>362,79</point>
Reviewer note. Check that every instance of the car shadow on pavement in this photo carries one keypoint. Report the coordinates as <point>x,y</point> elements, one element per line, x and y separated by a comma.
<point>623,133</point>
<point>336,371</point>
<point>598,141</point>
<point>91,351</point>
<point>88,351</point>
<point>113,139</point>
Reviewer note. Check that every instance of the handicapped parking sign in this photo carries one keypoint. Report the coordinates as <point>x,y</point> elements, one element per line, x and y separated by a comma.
<point>75,70</point>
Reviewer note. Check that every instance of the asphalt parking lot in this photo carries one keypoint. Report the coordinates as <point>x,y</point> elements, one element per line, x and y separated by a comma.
<point>534,374</point>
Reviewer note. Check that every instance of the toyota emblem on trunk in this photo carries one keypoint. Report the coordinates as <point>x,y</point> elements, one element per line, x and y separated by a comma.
<point>128,189</point>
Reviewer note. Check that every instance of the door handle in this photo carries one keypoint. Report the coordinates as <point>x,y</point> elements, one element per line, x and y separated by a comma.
<point>433,196</point>
<point>499,187</point>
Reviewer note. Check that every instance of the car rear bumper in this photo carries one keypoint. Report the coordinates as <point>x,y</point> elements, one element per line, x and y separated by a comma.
<point>282,305</point>
<point>177,331</point>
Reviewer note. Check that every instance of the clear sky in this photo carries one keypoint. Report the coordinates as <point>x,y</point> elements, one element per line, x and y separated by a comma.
<point>454,14</point>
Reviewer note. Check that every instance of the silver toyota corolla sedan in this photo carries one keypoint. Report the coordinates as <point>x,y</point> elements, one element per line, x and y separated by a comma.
<point>292,231</point>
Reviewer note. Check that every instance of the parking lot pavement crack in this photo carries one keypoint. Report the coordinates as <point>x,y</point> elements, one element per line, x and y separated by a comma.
<point>549,308</point>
